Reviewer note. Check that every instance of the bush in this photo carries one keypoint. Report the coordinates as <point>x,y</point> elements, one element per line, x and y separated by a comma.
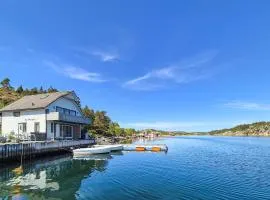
<point>3,139</point>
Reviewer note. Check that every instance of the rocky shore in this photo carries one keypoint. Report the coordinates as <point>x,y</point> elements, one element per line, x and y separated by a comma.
<point>254,129</point>
<point>102,140</point>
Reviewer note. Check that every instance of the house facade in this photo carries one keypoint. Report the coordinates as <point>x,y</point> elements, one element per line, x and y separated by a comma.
<point>47,116</point>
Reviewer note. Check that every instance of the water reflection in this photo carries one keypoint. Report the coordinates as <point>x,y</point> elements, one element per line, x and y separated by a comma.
<point>57,178</point>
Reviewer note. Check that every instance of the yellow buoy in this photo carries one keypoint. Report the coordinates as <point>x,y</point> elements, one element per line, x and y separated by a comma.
<point>156,149</point>
<point>140,148</point>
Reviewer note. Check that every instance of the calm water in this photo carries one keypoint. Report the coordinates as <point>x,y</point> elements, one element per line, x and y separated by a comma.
<point>194,168</point>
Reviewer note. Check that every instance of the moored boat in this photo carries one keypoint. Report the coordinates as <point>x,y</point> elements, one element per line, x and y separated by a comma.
<point>89,151</point>
<point>113,147</point>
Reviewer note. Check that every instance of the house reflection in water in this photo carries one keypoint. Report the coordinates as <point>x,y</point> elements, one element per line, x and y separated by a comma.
<point>49,179</point>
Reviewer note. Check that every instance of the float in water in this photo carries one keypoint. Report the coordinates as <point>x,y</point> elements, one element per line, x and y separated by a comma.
<point>97,149</point>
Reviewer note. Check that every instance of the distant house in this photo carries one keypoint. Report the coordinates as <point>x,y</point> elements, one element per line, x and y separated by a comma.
<point>44,116</point>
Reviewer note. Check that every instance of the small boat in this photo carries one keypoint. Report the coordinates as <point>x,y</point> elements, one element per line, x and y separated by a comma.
<point>89,151</point>
<point>113,147</point>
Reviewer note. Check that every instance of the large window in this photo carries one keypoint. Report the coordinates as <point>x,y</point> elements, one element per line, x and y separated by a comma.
<point>37,127</point>
<point>66,131</point>
<point>66,111</point>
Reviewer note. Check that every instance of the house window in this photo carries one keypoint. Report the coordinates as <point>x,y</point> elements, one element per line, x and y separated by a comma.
<point>37,127</point>
<point>16,114</point>
<point>65,111</point>
<point>59,109</point>
<point>73,113</point>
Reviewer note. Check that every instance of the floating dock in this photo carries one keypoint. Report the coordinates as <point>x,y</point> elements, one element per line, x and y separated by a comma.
<point>146,147</point>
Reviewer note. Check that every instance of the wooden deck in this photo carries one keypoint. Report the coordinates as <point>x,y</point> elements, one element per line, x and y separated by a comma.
<point>14,151</point>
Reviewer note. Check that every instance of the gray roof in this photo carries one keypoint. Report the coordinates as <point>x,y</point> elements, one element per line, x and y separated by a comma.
<point>34,101</point>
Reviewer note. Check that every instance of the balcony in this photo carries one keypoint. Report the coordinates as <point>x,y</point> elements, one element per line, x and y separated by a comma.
<point>57,116</point>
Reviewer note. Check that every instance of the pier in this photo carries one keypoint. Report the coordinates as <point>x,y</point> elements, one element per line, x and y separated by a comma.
<point>26,150</point>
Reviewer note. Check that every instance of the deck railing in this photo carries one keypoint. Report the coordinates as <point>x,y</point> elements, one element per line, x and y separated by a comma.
<point>57,116</point>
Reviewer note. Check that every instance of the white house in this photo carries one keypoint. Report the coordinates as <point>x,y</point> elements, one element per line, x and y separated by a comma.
<point>47,116</point>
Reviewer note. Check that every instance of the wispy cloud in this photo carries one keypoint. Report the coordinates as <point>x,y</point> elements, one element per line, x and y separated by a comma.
<point>186,71</point>
<point>247,106</point>
<point>106,56</point>
<point>75,72</point>
<point>109,55</point>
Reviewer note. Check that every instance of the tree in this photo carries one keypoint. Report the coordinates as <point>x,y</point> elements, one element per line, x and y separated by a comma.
<point>101,123</point>
<point>20,89</point>
<point>130,131</point>
<point>5,83</point>
<point>89,113</point>
<point>34,90</point>
<point>41,90</point>
<point>114,129</point>
<point>51,90</point>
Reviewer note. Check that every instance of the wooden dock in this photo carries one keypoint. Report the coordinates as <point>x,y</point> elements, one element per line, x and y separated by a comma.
<point>14,151</point>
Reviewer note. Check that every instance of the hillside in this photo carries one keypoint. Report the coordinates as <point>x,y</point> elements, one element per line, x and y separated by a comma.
<point>254,129</point>
<point>8,96</point>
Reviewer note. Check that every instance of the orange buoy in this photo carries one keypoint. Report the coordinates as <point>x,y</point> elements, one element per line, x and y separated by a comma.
<point>140,148</point>
<point>156,149</point>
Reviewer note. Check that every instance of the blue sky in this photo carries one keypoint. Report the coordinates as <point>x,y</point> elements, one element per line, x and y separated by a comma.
<point>174,65</point>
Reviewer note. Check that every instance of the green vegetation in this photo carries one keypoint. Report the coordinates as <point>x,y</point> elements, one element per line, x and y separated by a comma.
<point>9,94</point>
<point>103,125</point>
<point>254,129</point>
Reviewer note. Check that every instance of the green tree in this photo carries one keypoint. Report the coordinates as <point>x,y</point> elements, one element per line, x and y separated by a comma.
<point>130,131</point>
<point>20,89</point>
<point>51,90</point>
<point>41,90</point>
<point>115,129</point>
<point>88,113</point>
<point>34,90</point>
<point>5,83</point>
<point>101,123</point>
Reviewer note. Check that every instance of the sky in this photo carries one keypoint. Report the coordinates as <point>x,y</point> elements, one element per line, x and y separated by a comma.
<point>170,65</point>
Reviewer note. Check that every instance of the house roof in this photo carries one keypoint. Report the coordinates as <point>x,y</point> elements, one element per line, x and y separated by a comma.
<point>34,101</point>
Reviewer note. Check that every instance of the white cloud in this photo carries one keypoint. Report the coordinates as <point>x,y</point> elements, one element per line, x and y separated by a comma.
<point>106,56</point>
<point>75,72</point>
<point>247,105</point>
<point>186,71</point>
<point>110,55</point>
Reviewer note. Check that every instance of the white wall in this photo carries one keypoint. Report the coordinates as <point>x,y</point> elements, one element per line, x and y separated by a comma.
<point>10,123</point>
<point>64,103</point>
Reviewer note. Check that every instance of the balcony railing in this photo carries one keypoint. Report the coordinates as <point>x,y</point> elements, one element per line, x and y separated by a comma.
<point>57,116</point>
